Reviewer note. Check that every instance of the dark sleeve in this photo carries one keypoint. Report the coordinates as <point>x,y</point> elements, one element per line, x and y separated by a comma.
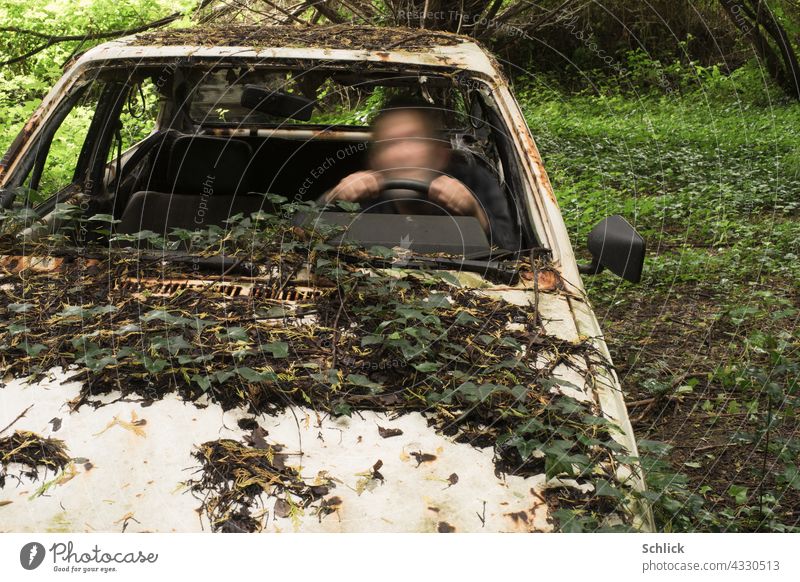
<point>485,187</point>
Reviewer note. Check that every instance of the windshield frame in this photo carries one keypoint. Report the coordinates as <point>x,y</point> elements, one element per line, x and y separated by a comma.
<point>521,192</point>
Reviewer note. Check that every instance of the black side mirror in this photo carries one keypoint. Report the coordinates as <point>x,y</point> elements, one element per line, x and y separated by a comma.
<point>616,245</point>
<point>277,103</point>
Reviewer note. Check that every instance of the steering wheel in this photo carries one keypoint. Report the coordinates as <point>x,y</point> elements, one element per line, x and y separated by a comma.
<point>414,190</point>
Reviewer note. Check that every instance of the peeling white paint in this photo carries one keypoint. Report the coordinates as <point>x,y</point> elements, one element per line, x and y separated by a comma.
<point>138,473</point>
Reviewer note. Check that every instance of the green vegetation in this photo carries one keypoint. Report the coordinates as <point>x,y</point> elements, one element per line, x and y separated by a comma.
<point>707,346</point>
<point>431,345</point>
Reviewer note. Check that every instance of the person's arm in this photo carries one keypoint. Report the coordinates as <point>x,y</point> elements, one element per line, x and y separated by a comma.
<point>358,187</point>
<point>454,196</point>
<point>486,202</point>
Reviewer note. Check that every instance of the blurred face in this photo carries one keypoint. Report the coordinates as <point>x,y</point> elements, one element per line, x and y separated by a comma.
<point>404,147</point>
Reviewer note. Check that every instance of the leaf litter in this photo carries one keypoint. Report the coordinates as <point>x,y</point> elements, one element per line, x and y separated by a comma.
<point>464,359</point>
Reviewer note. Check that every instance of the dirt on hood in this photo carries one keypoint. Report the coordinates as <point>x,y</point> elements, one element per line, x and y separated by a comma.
<point>340,36</point>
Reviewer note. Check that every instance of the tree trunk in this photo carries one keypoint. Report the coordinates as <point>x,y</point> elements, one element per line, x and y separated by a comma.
<point>769,39</point>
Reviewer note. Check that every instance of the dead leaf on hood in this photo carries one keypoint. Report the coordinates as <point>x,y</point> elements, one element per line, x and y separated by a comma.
<point>257,438</point>
<point>133,426</point>
<point>282,508</point>
<point>389,432</point>
<point>423,457</point>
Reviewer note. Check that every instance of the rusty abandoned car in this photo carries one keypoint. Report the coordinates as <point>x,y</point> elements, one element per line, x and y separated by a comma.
<point>191,343</point>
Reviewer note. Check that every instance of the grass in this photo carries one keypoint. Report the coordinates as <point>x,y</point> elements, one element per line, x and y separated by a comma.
<point>707,345</point>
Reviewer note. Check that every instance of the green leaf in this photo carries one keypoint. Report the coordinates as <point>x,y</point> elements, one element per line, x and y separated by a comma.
<point>235,334</point>
<point>35,349</point>
<point>791,477</point>
<point>342,409</point>
<point>605,489</point>
<point>426,367</point>
<point>348,206</point>
<point>104,218</point>
<point>363,381</point>
<point>738,493</point>
<point>203,381</point>
<point>277,349</point>
<point>154,366</point>
<point>222,376</point>
<point>465,318</point>
<point>253,376</point>
<point>17,328</point>
<point>450,278</point>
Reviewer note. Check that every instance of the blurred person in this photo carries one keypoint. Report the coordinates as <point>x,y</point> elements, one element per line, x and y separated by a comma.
<point>406,145</point>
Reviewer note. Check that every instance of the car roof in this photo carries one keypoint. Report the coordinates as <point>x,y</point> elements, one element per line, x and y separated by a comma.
<point>390,46</point>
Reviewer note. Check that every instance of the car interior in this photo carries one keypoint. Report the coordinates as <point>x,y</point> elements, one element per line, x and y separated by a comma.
<point>224,136</point>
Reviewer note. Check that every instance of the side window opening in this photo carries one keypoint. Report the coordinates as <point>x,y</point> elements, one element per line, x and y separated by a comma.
<point>138,120</point>
<point>57,157</point>
<point>139,114</point>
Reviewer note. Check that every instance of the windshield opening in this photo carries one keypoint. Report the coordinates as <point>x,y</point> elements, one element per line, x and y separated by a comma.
<point>232,141</point>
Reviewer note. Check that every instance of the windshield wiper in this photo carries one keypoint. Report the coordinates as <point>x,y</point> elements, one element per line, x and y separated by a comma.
<point>219,264</point>
<point>497,271</point>
<point>506,272</point>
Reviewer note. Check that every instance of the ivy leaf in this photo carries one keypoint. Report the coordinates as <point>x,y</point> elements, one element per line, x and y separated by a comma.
<point>342,409</point>
<point>525,448</point>
<point>381,252</point>
<point>104,218</point>
<point>435,300</point>
<point>35,349</point>
<point>154,366</point>
<point>465,318</point>
<point>277,349</point>
<point>738,493</point>
<point>363,381</point>
<point>348,206</point>
<point>450,278</point>
<point>791,476</point>
<point>17,328</point>
<point>203,381</point>
<point>371,340</point>
<point>254,376</point>
<point>235,334</point>
<point>222,376</point>
<point>426,367</point>
<point>475,393</point>
<point>606,489</point>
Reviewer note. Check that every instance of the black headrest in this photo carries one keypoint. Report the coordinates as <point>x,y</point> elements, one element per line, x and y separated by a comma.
<point>209,165</point>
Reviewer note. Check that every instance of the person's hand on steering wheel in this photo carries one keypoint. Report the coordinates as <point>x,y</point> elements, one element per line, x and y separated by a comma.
<point>358,187</point>
<point>445,192</point>
<point>456,198</point>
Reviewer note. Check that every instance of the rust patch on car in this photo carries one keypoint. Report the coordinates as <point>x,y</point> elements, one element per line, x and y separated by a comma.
<point>518,516</point>
<point>16,264</point>
<point>535,157</point>
<point>547,280</point>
